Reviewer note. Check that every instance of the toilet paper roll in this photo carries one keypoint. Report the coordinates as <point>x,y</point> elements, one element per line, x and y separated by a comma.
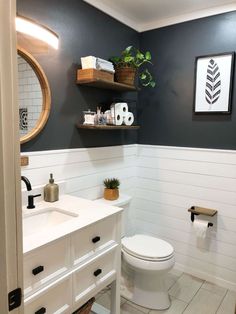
<point>121,107</point>
<point>200,228</point>
<point>118,111</point>
<point>118,118</point>
<point>129,118</point>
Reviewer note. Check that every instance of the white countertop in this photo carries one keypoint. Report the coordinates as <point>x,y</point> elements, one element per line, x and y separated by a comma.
<point>88,212</point>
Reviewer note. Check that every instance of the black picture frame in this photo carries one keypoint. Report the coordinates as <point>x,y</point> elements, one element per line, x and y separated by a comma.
<point>231,78</point>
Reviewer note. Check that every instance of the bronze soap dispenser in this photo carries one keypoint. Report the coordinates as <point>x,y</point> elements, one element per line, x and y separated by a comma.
<point>51,190</point>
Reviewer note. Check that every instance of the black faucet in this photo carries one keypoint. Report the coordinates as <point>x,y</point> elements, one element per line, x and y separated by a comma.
<point>27,183</point>
<point>29,188</point>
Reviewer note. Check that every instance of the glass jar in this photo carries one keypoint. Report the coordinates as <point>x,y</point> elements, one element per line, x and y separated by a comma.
<point>89,117</point>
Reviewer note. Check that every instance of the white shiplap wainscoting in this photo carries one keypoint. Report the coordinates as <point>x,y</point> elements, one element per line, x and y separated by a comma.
<point>172,179</point>
<point>165,182</point>
<point>84,169</point>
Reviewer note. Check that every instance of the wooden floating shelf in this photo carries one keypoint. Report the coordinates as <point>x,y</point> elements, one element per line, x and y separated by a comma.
<point>99,83</point>
<point>108,127</point>
<point>202,211</point>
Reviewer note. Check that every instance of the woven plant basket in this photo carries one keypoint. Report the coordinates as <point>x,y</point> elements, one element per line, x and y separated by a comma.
<point>125,75</point>
<point>111,194</point>
<point>86,308</point>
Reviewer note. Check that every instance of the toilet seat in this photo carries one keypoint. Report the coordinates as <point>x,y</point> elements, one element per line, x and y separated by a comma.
<point>147,248</point>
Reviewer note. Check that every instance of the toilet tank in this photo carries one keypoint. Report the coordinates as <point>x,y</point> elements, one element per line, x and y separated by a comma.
<point>123,201</point>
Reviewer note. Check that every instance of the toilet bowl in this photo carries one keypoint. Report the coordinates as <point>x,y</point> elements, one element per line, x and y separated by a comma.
<point>145,262</point>
<point>150,259</point>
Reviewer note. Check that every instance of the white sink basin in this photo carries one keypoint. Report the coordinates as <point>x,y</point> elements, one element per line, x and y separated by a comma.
<point>45,219</point>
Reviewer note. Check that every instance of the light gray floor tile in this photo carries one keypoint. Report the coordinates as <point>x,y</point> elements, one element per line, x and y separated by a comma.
<point>204,302</point>
<point>138,307</point>
<point>128,309</point>
<point>186,287</point>
<point>105,300</point>
<point>177,307</point>
<point>203,297</point>
<point>214,288</point>
<point>228,304</point>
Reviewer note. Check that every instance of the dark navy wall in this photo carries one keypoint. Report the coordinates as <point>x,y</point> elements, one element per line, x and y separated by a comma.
<point>165,113</point>
<point>83,30</point>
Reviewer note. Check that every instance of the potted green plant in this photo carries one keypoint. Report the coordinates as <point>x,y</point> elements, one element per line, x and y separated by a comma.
<point>130,63</point>
<point>111,191</point>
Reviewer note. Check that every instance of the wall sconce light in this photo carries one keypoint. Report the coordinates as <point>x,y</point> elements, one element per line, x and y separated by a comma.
<point>31,28</point>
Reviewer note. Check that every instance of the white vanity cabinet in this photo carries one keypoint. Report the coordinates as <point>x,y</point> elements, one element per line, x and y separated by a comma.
<point>88,278</point>
<point>55,299</point>
<point>45,264</point>
<point>62,275</point>
<point>93,239</point>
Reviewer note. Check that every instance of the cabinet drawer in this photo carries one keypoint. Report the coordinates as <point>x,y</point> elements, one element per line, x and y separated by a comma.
<point>87,278</point>
<point>92,239</point>
<point>45,264</point>
<point>54,300</point>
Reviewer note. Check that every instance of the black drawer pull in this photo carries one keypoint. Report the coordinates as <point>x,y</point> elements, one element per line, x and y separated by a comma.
<point>96,239</point>
<point>41,311</point>
<point>38,270</point>
<point>97,272</point>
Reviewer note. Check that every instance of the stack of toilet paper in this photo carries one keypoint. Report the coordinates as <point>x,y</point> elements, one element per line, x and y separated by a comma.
<point>120,114</point>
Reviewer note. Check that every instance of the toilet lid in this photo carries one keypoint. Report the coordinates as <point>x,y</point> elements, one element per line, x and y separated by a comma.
<point>147,247</point>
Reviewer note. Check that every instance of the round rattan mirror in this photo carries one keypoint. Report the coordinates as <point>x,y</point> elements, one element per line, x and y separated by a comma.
<point>34,96</point>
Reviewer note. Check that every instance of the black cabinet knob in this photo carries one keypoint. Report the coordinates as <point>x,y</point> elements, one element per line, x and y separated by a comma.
<point>37,270</point>
<point>97,272</point>
<point>41,311</point>
<point>96,239</point>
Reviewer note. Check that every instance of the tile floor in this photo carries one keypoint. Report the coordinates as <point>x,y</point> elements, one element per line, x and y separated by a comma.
<point>189,295</point>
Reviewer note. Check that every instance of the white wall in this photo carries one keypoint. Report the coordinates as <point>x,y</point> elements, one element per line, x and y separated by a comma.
<point>83,169</point>
<point>165,183</point>
<point>171,180</point>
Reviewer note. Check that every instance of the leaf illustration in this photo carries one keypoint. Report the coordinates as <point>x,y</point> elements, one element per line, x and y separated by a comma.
<point>213,83</point>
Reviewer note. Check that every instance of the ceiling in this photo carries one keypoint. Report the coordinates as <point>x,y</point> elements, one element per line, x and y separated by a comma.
<point>144,15</point>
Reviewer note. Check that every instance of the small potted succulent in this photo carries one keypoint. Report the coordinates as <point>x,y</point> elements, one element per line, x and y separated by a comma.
<point>130,63</point>
<point>111,191</point>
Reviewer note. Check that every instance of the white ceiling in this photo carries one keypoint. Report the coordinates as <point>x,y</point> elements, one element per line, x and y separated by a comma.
<point>143,15</point>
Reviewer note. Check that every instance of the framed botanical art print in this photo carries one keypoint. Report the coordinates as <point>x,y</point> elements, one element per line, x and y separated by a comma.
<point>213,83</point>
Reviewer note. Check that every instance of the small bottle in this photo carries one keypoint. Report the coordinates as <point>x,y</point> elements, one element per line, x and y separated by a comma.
<point>51,190</point>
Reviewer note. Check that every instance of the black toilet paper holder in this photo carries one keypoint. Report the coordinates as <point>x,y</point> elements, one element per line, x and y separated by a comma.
<point>195,210</point>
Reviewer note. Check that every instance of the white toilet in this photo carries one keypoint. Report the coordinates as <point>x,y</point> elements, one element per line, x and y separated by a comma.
<point>145,262</point>
<point>150,258</point>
